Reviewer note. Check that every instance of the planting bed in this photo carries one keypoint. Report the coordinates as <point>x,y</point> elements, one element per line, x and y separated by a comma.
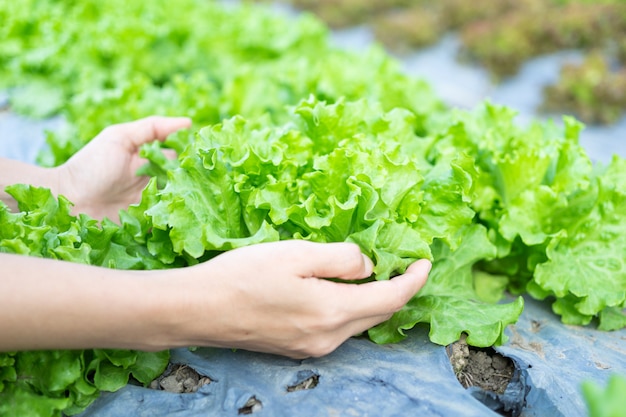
<point>413,377</point>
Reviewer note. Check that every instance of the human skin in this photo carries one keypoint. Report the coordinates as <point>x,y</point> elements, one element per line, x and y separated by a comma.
<point>271,297</point>
<point>100,179</point>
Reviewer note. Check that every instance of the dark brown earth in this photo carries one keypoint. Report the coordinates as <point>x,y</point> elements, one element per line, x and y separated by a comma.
<point>252,406</point>
<point>484,368</point>
<point>179,378</point>
<point>309,383</point>
<point>182,379</point>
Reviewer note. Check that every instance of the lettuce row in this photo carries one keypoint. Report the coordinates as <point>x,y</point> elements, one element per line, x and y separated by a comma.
<point>347,171</point>
<point>477,194</point>
<point>101,63</point>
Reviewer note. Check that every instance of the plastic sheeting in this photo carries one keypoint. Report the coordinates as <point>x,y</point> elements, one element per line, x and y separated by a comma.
<point>410,378</point>
<point>22,138</point>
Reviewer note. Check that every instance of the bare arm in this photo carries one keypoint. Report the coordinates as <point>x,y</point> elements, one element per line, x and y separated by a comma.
<point>269,297</point>
<point>100,179</point>
<point>48,304</point>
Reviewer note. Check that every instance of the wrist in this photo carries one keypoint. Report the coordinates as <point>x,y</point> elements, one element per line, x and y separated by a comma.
<point>61,180</point>
<point>64,183</point>
<point>191,305</point>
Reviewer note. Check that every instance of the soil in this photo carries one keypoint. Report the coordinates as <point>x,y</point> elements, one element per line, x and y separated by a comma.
<point>252,406</point>
<point>181,379</point>
<point>309,383</point>
<point>483,368</point>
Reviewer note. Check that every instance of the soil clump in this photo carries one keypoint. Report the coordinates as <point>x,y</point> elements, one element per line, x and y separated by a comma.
<point>181,379</point>
<point>483,368</point>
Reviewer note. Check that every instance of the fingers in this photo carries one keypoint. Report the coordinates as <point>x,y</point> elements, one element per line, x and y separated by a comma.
<point>170,153</point>
<point>346,261</point>
<point>330,260</point>
<point>278,279</point>
<point>383,298</point>
<point>147,129</point>
<point>364,306</point>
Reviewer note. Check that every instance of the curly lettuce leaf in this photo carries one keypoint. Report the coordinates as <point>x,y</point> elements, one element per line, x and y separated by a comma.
<point>527,174</point>
<point>46,383</point>
<point>613,318</point>
<point>332,173</point>
<point>586,269</point>
<point>449,302</point>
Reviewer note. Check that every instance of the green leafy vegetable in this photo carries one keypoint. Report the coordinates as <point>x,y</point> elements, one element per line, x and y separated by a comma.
<point>607,402</point>
<point>592,248</point>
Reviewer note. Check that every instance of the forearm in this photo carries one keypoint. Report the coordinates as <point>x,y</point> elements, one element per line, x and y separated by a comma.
<point>15,172</point>
<point>240,299</point>
<point>48,304</point>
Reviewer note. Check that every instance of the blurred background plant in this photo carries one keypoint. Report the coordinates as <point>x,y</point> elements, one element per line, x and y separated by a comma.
<point>607,401</point>
<point>591,90</point>
<point>501,35</point>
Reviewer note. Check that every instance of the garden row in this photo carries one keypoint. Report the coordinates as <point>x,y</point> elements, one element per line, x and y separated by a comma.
<point>503,34</point>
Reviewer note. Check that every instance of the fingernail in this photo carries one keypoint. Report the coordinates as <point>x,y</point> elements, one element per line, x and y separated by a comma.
<point>369,265</point>
<point>429,266</point>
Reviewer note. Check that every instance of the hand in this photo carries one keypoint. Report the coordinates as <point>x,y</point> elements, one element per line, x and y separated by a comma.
<point>269,297</point>
<point>100,179</point>
<point>273,298</point>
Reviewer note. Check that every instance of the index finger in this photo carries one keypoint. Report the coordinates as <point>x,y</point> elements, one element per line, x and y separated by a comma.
<point>329,260</point>
<point>146,130</point>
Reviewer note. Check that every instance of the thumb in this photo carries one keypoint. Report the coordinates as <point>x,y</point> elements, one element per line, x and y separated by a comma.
<point>387,297</point>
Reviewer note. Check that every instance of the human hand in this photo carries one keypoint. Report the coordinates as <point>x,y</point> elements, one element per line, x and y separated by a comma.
<point>270,297</point>
<point>273,298</point>
<point>101,178</point>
